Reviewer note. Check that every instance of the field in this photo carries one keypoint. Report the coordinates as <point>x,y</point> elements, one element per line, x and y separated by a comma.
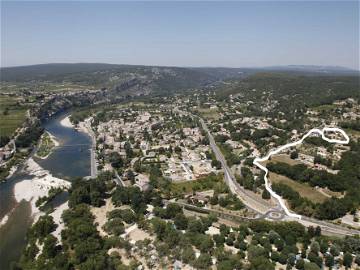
<point>12,115</point>
<point>209,113</point>
<point>205,183</point>
<point>324,108</point>
<point>284,159</point>
<point>41,87</point>
<point>352,132</point>
<point>304,190</point>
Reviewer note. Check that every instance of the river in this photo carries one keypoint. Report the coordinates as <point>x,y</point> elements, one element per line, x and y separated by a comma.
<point>70,159</point>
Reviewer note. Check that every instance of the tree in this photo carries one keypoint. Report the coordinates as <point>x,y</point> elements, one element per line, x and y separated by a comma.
<point>279,243</point>
<point>255,251</point>
<point>294,155</point>
<point>313,257</point>
<point>180,221</point>
<point>195,226</point>
<point>317,231</point>
<point>188,254</point>
<point>265,195</point>
<point>347,260</point>
<point>335,250</point>
<point>300,264</point>
<point>130,175</point>
<point>311,231</point>
<point>43,227</point>
<point>357,259</point>
<point>115,160</point>
<point>262,263</point>
<point>275,256</point>
<point>206,243</point>
<point>329,260</point>
<point>315,247</point>
<point>49,249</point>
<point>219,239</point>
<point>291,259</point>
<point>172,209</point>
<point>215,163</point>
<point>311,266</point>
<point>273,236</point>
<point>229,241</point>
<point>4,140</point>
<point>203,261</point>
<point>228,264</point>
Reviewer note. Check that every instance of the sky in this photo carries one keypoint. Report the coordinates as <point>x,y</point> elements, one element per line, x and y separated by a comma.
<point>228,34</point>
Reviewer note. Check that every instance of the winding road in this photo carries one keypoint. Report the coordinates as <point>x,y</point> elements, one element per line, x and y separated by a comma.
<point>264,208</point>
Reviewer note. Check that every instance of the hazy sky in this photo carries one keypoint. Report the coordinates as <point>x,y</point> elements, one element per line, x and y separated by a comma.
<point>234,34</point>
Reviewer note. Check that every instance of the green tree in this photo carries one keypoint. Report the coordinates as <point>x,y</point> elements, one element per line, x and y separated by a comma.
<point>203,261</point>
<point>347,260</point>
<point>188,255</point>
<point>180,221</point>
<point>311,266</point>
<point>329,260</point>
<point>265,195</point>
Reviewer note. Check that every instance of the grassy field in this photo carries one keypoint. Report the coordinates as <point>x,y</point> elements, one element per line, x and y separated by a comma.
<point>208,113</point>
<point>206,183</point>
<point>282,158</point>
<point>11,115</point>
<point>325,107</point>
<point>352,132</point>
<point>304,190</point>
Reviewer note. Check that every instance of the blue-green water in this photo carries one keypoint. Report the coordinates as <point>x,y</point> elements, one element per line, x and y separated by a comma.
<point>70,159</point>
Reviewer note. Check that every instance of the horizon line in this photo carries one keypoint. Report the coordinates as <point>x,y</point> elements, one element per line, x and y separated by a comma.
<point>190,66</point>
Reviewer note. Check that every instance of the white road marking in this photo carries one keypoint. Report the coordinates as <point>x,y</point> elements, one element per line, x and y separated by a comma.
<point>278,150</point>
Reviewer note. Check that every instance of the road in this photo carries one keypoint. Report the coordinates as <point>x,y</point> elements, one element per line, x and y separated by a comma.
<point>250,200</point>
<point>87,126</point>
<point>118,180</point>
<point>263,207</point>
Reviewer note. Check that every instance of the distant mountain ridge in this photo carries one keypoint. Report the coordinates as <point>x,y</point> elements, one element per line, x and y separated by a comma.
<point>140,79</point>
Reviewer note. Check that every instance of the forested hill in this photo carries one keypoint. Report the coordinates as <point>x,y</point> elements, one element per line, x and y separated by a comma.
<point>120,78</point>
<point>292,91</point>
<point>139,79</point>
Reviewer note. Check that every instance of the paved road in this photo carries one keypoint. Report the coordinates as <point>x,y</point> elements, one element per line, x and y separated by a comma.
<point>263,207</point>
<point>226,214</point>
<point>93,171</point>
<point>250,200</point>
<point>118,180</point>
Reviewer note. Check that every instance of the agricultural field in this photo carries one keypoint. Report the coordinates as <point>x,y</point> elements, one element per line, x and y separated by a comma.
<point>41,87</point>
<point>12,115</point>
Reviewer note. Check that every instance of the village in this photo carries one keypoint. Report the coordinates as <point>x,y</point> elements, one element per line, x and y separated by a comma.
<point>153,136</point>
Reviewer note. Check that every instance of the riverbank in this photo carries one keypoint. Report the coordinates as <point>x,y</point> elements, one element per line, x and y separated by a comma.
<point>66,122</point>
<point>85,127</point>
<point>32,189</point>
<point>33,178</point>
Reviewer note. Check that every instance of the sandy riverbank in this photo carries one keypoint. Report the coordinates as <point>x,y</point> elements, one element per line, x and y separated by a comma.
<point>32,189</point>
<point>12,171</point>
<point>66,122</point>
<point>85,126</point>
